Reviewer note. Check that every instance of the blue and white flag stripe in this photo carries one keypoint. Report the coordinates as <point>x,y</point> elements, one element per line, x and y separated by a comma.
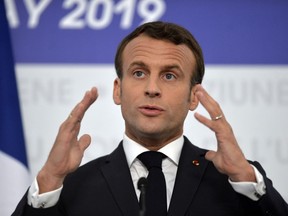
<point>14,173</point>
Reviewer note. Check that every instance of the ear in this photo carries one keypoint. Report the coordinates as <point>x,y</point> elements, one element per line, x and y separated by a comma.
<point>193,99</point>
<point>117,91</point>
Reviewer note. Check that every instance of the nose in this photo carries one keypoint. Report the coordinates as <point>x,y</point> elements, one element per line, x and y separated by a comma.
<point>152,88</point>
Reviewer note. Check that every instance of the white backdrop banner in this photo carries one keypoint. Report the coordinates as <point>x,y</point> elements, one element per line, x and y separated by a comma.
<point>253,98</point>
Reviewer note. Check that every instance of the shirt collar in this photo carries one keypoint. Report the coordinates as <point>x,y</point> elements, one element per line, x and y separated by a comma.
<point>172,150</point>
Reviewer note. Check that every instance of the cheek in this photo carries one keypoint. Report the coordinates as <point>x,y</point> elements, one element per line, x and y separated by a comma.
<point>128,101</point>
<point>180,105</point>
<point>129,110</point>
<point>181,98</point>
<point>130,92</point>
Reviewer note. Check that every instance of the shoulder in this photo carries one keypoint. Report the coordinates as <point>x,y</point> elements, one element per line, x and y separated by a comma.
<point>93,168</point>
<point>87,172</point>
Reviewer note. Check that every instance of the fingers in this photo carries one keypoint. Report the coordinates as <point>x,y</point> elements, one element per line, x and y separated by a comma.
<point>79,110</point>
<point>209,103</point>
<point>70,128</point>
<point>212,107</point>
<point>72,124</point>
<point>74,119</point>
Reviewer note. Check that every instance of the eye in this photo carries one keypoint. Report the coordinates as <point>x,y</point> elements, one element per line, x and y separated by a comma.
<point>169,76</point>
<point>138,74</point>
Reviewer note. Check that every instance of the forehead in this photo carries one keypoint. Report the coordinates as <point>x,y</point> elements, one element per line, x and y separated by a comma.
<point>154,51</point>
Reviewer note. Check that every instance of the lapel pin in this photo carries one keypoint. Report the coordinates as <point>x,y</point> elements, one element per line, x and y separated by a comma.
<point>195,163</point>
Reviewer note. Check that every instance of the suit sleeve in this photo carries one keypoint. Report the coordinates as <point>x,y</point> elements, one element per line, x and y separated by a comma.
<point>23,209</point>
<point>271,203</point>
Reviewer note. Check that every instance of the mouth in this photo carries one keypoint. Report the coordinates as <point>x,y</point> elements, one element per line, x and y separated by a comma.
<point>151,110</point>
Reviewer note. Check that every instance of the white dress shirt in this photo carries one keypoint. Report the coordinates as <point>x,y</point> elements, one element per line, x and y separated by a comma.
<point>169,167</point>
<point>169,164</point>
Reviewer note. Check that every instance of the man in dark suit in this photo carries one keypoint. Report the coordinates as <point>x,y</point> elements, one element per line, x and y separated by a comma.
<point>160,69</point>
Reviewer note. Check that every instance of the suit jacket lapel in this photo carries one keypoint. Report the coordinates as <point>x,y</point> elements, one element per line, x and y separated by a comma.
<point>117,174</point>
<point>191,168</point>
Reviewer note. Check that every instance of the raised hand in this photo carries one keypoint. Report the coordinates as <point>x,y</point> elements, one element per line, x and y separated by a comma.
<point>67,151</point>
<point>228,159</point>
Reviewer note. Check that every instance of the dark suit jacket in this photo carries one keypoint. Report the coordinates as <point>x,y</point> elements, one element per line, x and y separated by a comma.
<point>104,187</point>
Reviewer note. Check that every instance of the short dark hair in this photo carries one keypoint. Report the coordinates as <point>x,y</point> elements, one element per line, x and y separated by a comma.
<point>165,31</point>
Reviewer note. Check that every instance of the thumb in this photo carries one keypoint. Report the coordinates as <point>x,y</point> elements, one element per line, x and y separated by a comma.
<point>210,155</point>
<point>84,141</point>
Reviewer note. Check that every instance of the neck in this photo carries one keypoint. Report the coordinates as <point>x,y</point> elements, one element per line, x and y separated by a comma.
<point>153,143</point>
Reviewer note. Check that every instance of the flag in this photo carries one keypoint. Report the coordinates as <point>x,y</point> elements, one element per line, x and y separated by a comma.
<point>14,173</point>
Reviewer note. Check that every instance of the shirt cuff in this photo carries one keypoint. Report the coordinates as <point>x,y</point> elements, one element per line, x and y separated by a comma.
<point>44,200</point>
<point>251,190</point>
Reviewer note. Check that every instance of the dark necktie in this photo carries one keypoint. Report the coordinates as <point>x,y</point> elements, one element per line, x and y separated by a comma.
<point>156,201</point>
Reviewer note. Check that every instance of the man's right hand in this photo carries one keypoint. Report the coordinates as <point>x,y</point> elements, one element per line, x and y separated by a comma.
<point>67,151</point>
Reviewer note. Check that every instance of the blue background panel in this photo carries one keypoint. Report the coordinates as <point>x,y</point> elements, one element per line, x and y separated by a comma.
<point>230,32</point>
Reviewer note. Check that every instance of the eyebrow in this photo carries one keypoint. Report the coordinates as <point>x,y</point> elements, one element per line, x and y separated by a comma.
<point>170,67</point>
<point>138,63</point>
<point>145,66</point>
